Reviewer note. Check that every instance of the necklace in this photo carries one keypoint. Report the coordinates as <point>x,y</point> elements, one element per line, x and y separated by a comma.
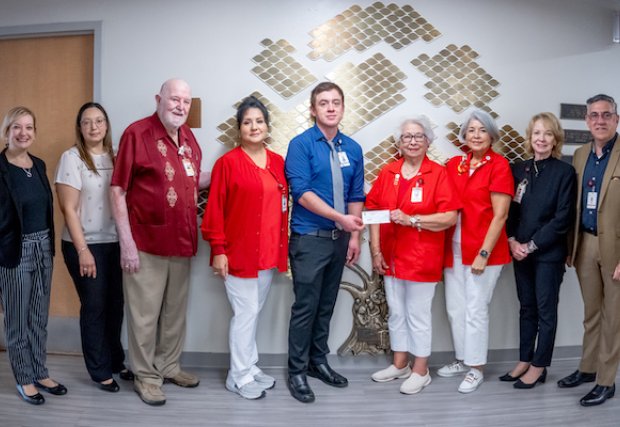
<point>28,172</point>
<point>536,171</point>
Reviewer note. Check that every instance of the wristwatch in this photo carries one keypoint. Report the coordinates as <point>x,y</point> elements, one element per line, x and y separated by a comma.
<point>415,221</point>
<point>483,253</point>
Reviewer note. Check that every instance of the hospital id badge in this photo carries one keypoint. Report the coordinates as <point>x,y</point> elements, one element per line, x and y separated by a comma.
<point>343,159</point>
<point>591,200</point>
<point>189,169</point>
<point>416,195</point>
<point>520,191</point>
<point>284,203</point>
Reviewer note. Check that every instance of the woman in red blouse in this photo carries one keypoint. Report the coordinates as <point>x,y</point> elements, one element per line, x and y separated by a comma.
<point>408,250</point>
<point>478,246</point>
<point>246,224</point>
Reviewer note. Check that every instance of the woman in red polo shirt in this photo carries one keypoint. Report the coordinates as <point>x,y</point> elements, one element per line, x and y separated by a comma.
<point>479,246</point>
<point>246,224</point>
<point>408,250</point>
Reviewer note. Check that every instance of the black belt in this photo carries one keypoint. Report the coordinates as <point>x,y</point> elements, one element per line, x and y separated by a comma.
<point>334,234</point>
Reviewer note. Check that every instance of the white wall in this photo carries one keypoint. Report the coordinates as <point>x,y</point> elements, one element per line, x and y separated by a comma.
<point>543,52</point>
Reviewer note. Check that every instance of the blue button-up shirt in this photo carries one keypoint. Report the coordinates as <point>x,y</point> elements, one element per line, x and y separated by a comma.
<point>308,169</point>
<point>592,181</point>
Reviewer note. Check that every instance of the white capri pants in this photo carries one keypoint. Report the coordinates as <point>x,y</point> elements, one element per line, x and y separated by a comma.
<point>410,319</point>
<point>467,302</point>
<point>247,297</point>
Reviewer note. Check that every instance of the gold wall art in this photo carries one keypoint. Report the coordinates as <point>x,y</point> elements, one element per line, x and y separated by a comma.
<point>280,71</point>
<point>358,28</point>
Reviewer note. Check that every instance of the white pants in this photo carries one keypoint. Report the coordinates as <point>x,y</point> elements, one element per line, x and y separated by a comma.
<point>247,297</point>
<point>410,320</point>
<point>467,301</point>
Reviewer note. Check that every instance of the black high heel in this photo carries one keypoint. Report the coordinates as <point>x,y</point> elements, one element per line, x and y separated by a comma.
<point>541,379</point>
<point>509,378</point>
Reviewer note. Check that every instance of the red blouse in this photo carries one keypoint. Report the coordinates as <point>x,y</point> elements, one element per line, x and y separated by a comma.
<point>492,176</point>
<point>244,219</point>
<point>411,254</point>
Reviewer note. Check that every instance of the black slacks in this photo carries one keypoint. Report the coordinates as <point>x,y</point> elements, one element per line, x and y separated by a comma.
<point>101,313</point>
<point>316,264</point>
<point>538,289</point>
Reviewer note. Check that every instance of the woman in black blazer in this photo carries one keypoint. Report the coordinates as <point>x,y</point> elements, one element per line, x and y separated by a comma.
<point>26,253</point>
<point>540,217</point>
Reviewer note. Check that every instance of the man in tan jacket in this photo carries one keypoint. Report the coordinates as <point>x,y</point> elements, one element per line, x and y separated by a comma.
<point>596,251</point>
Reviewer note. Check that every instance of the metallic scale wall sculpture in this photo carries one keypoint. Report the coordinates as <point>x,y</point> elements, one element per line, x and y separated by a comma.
<point>373,86</point>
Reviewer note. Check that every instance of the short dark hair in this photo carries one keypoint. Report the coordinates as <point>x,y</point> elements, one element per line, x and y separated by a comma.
<point>603,97</point>
<point>324,87</point>
<point>251,102</point>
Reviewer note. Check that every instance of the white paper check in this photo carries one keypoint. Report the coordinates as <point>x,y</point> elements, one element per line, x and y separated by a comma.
<point>376,217</point>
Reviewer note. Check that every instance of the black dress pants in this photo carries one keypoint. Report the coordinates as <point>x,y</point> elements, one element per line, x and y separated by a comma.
<point>101,313</point>
<point>538,289</point>
<point>316,264</point>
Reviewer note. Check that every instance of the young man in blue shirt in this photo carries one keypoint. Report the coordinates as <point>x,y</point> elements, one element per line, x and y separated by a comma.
<point>326,176</point>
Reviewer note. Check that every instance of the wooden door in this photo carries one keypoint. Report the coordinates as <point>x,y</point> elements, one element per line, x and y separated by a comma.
<point>53,76</point>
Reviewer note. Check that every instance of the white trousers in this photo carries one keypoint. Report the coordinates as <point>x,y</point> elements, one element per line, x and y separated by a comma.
<point>247,297</point>
<point>467,301</point>
<point>410,319</point>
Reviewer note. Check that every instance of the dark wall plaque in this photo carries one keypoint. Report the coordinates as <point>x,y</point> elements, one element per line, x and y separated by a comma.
<point>573,111</point>
<point>572,136</point>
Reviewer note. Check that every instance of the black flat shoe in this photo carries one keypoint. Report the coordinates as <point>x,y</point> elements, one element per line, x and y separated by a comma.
<point>35,399</point>
<point>299,388</point>
<point>57,390</point>
<point>541,379</point>
<point>126,375</point>
<point>509,378</point>
<point>111,387</point>
<point>598,395</point>
<point>575,379</point>
<point>326,374</point>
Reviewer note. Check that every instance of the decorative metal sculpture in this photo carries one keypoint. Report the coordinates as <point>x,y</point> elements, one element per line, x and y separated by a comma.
<point>370,331</point>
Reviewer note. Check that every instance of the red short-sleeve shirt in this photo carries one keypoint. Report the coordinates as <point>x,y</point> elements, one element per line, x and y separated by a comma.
<point>492,176</point>
<point>411,254</point>
<point>161,181</point>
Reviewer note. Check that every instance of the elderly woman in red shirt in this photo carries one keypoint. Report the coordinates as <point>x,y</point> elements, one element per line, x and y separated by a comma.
<point>409,249</point>
<point>246,224</point>
<point>478,246</point>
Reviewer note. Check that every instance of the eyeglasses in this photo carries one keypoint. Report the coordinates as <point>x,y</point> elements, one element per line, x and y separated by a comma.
<point>606,115</point>
<point>88,123</point>
<point>407,138</point>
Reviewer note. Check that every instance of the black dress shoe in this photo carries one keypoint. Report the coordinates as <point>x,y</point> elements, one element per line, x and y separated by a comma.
<point>35,399</point>
<point>126,375</point>
<point>57,390</point>
<point>110,387</point>
<point>326,374</point>
<point>575,379</point>
<point>598,395</point>
<point>509,378</point>
<point>299,388</point>
<point>541,379</point>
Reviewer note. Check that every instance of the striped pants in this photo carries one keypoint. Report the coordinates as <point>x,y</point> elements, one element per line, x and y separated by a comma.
<point>25,295</point>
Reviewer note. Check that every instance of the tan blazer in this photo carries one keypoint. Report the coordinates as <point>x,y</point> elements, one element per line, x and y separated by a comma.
<point>608,219</point>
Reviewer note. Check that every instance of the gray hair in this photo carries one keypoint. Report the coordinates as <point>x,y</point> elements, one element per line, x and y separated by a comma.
<point>487,121</point>
<point>602,97</point>
<point>421,121</point>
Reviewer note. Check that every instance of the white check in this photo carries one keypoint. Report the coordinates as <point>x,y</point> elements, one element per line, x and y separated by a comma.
<point>376,217</point>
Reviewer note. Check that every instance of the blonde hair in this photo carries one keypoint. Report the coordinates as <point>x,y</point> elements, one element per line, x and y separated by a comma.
<point>12,115</point>
<point>553,123</point>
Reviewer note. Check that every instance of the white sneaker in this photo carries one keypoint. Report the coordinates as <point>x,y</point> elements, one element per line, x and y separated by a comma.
<point>415,383</point>
<point>452,369</point>
<point>267,382</point>
<point>391,373</point>
<point>251,390</point>
<point>472,381</point>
